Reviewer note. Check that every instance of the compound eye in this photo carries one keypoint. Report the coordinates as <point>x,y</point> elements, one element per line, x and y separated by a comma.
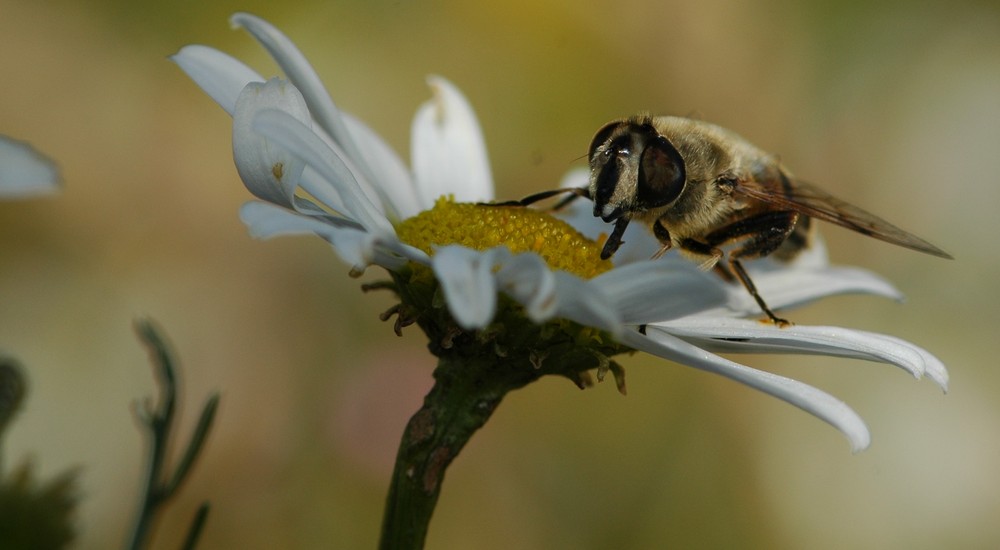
<point>661,174</point>
<point>602,136</point>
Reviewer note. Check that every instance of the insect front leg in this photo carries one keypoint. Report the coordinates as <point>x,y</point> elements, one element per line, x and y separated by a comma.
<point>574,193</point>
<point>615,239</point>
<point>762,234</point>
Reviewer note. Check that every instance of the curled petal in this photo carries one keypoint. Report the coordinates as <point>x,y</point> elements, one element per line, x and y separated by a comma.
<point>818,403</point>
<point>933,367</point>
<point>220,75</point>
<point>748,336</point>
<point>448,150</point>
<point>373,168</point>
<point>466,278</point>
<point>25,172</point>
<point>269,171</point>
<point>295,136</point>
<point>298,69</point>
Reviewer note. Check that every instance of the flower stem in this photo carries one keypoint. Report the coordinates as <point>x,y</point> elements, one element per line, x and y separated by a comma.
<point>476,369</point>
<point>466,392</point>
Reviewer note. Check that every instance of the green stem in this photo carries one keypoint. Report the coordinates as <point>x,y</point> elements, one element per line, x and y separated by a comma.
<point>476,369</point>
<point>466,392</point>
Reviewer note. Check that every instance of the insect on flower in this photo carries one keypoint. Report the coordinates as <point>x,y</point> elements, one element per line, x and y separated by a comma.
<point>712,195</point>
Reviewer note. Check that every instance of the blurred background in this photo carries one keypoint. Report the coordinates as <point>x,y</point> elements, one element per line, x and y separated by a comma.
<point>893,105</point>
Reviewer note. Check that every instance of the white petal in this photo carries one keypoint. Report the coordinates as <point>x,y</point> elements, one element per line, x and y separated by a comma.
<point>389,172</point>
<point>269,171</point>
<point>791,286</point>
<point>330,197</point>
<point>447,148</point>
<point>580,301</point>
<point>528,279</point>
<point>933,367</point>
<point>466,278</point>
<point>221,76</point>
<point>370,165</point>
<point>301,73</point>
<point>24,171</point>
<point>748,336</point>
<point>353,245</point>
<point>647,291</point>
<point>284,130</point>
<point>818,403</point>
<point>270,221</point>
<point>266,221</point>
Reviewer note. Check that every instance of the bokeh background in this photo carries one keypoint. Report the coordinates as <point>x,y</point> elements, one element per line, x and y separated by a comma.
<point>894,105</point>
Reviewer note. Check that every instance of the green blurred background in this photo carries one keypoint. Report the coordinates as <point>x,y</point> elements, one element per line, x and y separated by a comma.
<point>893,105</point>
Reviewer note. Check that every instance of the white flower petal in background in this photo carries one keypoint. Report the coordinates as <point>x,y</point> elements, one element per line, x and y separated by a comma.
<point>25,172</point>
<point>447,148</point>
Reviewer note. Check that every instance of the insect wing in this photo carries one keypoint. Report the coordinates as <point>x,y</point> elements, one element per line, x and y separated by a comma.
<point>816,203</point>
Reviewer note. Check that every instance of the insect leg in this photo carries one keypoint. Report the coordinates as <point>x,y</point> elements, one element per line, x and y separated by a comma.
<point>663,236</point>
<point>615,239</point>
<point>737,267</point>
<point>710,252</point>
<point>532,199</point>
<point>763,234</point>
<point>577,193</point>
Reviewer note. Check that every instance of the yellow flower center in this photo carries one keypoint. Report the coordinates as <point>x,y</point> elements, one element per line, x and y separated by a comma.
<point>519,229</point>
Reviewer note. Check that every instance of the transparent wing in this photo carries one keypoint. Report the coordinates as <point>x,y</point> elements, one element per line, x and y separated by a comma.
<point>814,202</point>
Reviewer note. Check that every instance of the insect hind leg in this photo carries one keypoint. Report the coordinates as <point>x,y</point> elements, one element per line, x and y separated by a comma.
<point>762,235</point>
<point>744,278</point>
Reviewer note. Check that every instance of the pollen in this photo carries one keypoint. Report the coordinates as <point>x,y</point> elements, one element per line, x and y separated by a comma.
<point>520,229</point>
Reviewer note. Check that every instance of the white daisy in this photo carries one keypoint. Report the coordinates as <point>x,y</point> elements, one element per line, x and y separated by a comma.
<point>318,170</point>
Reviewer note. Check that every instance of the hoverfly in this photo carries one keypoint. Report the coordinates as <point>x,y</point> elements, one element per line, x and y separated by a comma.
<point>712,195</point>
